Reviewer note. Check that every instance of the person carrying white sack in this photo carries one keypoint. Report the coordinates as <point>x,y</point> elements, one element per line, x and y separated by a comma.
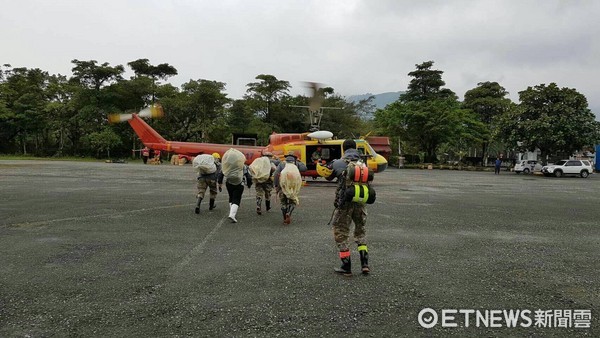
<point>262,170</point>
<point>208,168</point>
<point>288,183</point>
<point>235,173</point>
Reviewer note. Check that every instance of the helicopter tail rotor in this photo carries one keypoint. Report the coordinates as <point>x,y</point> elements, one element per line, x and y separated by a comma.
<point>153,111</point>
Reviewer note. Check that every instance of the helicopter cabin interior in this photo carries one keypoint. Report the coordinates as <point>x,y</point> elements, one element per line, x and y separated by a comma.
<point>322,153</point>
<point>327,153</point>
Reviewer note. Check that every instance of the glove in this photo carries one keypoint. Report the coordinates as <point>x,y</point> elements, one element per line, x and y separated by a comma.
<point>220,188</point>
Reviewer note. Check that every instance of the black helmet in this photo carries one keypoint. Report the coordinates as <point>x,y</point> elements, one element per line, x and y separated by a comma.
<point>349,144</point>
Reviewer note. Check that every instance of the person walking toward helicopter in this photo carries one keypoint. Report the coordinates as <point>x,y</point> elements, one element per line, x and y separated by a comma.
<point>208,168</point>
<point>262,170</point>
<point>352,193</point>
<point>288,203</point>
<point>236,174</point>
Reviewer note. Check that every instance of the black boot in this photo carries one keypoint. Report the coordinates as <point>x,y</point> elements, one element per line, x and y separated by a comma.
<point>268,204</point>
<point>364,259</point>
<point>211,204</point>
<point>290,209</point>
<point>258,205</point>
<point>346,268</point>
<point>198,205</point>
<point>287,218</point>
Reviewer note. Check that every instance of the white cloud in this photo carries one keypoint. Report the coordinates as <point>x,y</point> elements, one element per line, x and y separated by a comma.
<point>353,46</point>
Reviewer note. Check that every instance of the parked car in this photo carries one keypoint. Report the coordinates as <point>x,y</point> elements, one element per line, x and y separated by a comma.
<point>527,166</point>
<point>582,168</point>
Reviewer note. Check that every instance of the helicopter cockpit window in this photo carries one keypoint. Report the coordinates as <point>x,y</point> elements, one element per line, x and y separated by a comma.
<point>370,150</point>
<point>366,150</point>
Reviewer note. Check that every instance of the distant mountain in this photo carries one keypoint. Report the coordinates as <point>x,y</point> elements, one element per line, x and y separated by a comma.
<point>379,100</point>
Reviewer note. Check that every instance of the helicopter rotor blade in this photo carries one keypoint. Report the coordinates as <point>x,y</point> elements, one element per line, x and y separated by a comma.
<point>153,111</point>
<point>117,118</point>
<point>316,100</point>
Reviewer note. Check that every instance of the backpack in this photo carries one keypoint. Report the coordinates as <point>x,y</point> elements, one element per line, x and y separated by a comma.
<point>357,188</point>
<point>204,164</point>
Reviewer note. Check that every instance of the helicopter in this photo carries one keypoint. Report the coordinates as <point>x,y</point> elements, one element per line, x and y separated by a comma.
<point>316,148</point>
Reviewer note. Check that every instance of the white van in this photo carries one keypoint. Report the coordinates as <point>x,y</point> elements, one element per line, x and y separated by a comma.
<point>527,166</point>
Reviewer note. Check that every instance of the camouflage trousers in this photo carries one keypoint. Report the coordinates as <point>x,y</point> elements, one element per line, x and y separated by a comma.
<point>263,190</point>
<point>342,217</point>
<point>204,183</point>
<point>285,201</point>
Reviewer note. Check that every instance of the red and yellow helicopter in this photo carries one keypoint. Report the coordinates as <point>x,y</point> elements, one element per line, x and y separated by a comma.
<point>313,148</point>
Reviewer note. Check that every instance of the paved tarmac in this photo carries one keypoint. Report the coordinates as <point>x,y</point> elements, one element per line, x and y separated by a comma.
<point>98,249</point>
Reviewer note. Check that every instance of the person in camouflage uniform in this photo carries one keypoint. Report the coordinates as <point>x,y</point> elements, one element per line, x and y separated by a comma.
<point>345,212</point>
<point>287,205</point>
<point>208,181</point>
<point>264,189</point>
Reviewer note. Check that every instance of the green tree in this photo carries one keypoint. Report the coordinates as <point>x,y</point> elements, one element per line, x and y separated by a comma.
<point>344,122</point>
<point>338,116</point>
<point>290,118</point>
<point>488,101</point>
<point>95,96</point>
<point>425,124</point>
<point>22,102</point>
<point>240,116</point>
<point>265,95</point>
<point>551,119</point>
<point>93,76</point>
<point>426,85</point>
<point>60,112</point>
<point>197,111</point>
<point>104,140</point>
<point>426,115</point>
<point>144,70</point>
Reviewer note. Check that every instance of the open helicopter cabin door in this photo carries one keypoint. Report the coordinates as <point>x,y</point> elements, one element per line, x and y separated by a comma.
<point>323,154</point>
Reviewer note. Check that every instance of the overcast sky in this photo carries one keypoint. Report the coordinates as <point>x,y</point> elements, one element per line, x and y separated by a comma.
<point>354,46</point>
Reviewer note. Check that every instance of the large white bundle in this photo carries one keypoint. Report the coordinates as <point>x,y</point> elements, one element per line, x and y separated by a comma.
<point>204,164</point>
<point>260,169</point>
<point>233,166</point>
<point>290,182</point>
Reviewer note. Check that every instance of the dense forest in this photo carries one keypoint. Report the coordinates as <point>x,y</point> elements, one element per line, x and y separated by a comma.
<point>44,114</point>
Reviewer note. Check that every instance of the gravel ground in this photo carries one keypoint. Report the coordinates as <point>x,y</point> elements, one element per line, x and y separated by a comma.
<point>98,249</point>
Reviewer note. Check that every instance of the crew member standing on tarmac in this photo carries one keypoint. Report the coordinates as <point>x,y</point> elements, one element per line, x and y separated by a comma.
<point>157,159</point>
<point>287,204</point>
<point>347,211</point>
<point>264,187</point>
<point>208,180</point>
<point>145,154</point>
<point>497,165</point>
